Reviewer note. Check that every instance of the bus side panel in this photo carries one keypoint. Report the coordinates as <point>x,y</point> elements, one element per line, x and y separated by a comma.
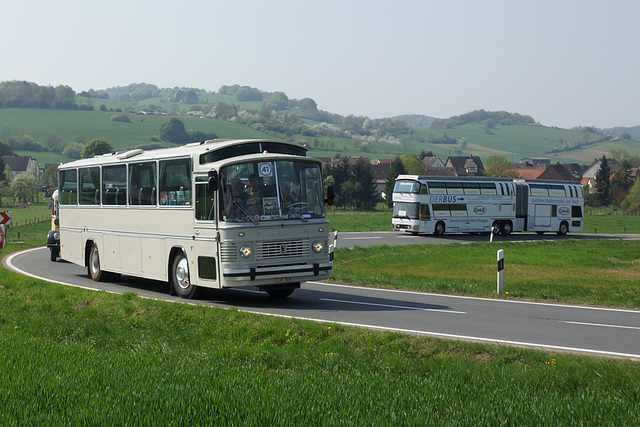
<point>132,263</point>
<point>154,258</point>
<point>72,247</point>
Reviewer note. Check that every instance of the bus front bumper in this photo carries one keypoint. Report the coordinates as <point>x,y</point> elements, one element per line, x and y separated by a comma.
<point>298,271</point>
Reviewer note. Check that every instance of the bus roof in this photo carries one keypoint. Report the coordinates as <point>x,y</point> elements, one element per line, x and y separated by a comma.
<point>484,179</point>
<point>191,149</point>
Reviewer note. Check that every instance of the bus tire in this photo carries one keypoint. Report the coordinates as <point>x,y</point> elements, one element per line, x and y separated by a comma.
<point>180,277</point>
<point>506,228</point>
<point>280,293</point>
<point>439,229</point>
<point>93,265</point>
<point>495,228</point>
<point>564,228</point>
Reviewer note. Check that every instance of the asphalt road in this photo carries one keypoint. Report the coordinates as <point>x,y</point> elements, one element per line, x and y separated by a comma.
<point>561,328</point>
<point>373,238</point>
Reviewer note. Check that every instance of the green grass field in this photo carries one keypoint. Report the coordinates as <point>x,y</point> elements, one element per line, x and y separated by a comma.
<point>514,142</point>
<point>74,356</point>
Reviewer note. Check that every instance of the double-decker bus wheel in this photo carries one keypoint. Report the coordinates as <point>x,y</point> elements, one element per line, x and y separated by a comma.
<point>564,228</point>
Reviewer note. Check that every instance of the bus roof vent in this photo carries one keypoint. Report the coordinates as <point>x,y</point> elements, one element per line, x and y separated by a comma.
<point>129,154</point>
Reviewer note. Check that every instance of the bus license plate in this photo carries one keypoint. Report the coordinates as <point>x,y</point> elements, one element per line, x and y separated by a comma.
<point>283,279</point>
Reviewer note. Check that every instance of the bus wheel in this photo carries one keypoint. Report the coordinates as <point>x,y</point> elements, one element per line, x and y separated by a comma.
<point>93,267</point>
<point>495,228</point>
<point>280,293</point>
<point>506,228</point>
<point>564,228</point>
<point>180,277</point>
<point>439,230</point>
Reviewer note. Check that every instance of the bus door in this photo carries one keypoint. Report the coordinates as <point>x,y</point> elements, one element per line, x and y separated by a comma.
<point>206,262</point>
<point>543,216</point>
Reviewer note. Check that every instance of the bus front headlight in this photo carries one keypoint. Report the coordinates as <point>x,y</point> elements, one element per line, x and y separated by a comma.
<point>317,246</point>
<point>245,251</point>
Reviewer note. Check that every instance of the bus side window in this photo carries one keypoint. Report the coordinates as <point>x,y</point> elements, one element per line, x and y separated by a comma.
<point>205,205</point>
<point>89,186</point>
<point>175,182</point>
<point>68,187</point>
<point>142,183</point>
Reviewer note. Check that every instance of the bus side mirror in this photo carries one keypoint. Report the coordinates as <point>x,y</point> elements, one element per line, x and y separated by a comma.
<point>213,180</point>
<point>330,195</point>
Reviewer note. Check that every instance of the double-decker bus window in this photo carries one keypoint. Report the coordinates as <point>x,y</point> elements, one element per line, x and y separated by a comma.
<point>488,188</point>
<point>406,187</point>
<point>142,183</point>
<point>471,188</point>
<point>175,182</point>
<point>68,190</point>
<point>405,210</point>
<point>89,186</point>
<point>114,185</point>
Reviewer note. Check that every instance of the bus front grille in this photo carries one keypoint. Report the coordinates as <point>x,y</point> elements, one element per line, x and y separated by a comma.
<point>282,249</point>
<point>228,252</point>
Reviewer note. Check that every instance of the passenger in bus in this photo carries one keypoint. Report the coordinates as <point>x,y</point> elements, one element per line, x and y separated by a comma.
<point>288,197</point>
<point>235,201</point>
<point>254,194</point>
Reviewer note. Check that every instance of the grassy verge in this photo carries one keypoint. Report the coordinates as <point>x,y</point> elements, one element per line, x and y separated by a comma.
<point>602,272</point>
<point>72,356</point>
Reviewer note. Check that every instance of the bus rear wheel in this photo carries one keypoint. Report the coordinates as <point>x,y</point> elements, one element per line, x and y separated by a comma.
<point>440,228</point>
<point>95,271</point>
<point>180,277</point>
<point>506,228</point>
<point>564,228</point>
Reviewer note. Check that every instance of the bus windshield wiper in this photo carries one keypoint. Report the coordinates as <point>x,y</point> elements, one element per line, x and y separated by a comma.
<point>245,212</point>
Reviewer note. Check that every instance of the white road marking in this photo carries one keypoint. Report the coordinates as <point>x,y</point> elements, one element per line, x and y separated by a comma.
<point>404,307</point>
<point>359,238</point>
<point>604,325</point>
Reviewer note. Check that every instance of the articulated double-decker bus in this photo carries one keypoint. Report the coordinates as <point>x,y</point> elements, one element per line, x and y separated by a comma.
<point>216,214</point>
<point>434,204</point>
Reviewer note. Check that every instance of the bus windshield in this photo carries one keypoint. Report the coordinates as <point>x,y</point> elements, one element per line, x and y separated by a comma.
<point>406,187</point>
<point>405,210</point>
<point>271,190</point>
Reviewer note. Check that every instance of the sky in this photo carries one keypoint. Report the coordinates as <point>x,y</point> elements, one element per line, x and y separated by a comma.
<point>566,63</point>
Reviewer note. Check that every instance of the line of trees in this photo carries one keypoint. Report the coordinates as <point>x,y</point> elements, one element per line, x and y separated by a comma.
<point>22,94</point>
<point>354,183</point>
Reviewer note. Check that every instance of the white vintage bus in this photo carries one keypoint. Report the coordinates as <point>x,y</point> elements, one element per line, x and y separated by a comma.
<point>435,204</point>
<point>214,214</point>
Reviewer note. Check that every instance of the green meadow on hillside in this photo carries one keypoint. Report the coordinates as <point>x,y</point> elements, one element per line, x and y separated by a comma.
<point>513,142</point>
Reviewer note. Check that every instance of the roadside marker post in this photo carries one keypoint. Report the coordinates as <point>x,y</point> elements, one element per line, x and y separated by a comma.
<point>500,271</point>
<point>3,238</point>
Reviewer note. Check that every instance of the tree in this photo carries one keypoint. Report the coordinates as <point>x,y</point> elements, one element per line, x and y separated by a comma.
<point>366,190</point>
<point>498,167</point>
<point>52,141</point>
<point>173,130</point>
<point>73,150</point>
<point>24,187</point>
<point>603,183</point>
<point>50,176</point>
<point>397,168</point>
<point>632,203</point>
<point>413,165</point>
<point>96,147</point>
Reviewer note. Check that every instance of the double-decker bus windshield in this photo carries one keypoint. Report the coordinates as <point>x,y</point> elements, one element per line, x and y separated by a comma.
<point>271,190</point>
<point>406,187</point>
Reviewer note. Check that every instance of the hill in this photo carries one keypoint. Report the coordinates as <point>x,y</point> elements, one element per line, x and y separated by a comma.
<point>244,112</point>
